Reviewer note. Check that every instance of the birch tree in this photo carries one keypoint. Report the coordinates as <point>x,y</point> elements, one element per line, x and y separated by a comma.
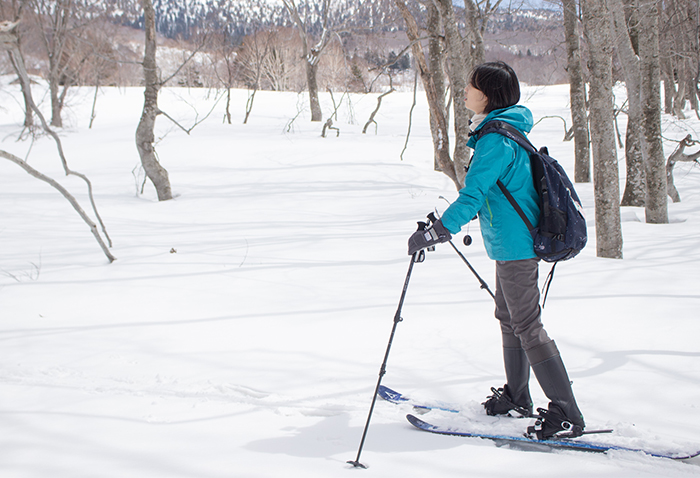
<point>656,205</point>
<point>457,60</point>
<point>597,30</point>
<point>251,59</point>
<point>9,42</point>
<point>438,119</point>
<point>477,14</point>
<point>62,24</point>
<point>577,93</point>
<point>445,68</point>
<point>145,137</point>
<point>626,29</point>
<point>13,10</point>
<point>311,54</point>
<point>679,23</point>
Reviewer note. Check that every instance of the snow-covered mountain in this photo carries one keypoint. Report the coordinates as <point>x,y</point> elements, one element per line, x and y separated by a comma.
<point>184,18</point>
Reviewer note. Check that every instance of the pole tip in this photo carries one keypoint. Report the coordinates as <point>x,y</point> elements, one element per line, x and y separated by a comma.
<point>357,464</point>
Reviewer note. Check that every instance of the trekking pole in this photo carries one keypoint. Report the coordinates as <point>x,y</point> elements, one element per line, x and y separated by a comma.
<point>467,241</point>
<point>416,257</point>
<point>484,285</point>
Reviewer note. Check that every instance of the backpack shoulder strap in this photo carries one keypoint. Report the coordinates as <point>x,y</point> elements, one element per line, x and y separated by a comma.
<point>511,132</point>
<point>515,205</point>
<point>507,130</point>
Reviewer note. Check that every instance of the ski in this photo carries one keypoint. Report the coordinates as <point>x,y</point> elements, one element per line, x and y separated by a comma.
<point>526,443</point>
<point>393,396</point>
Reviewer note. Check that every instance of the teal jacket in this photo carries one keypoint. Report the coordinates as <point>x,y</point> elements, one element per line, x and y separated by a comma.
<point>506,237</point>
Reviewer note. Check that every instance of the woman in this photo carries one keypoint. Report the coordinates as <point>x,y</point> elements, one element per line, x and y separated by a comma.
<point>492,94</point>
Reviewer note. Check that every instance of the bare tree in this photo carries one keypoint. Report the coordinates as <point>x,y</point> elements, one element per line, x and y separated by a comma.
<point>577,93</point>
<point>626,29</point>
<point>456,53</point>
<point>251,59</point>
<point>656,205</point>
<point>105,62</point>
<point>62,24</point>
<point>280,70</point>
<point>679,156</point>
<point>596,20</point>
<point>14,10</point>
<point>224,54</point>
<point>436,64</point>
<point>145,137</point>
<point>679,21</point>
<point>438,119</point>
<point>311,54</point>
<point>477,14</point>
<point>9,41</point>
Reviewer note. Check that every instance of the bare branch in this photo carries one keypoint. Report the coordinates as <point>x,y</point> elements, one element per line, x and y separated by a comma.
<point>679,156</point>
<point>196,50</point>
<point>566,130</point>
<point>93,227</point>
<point>379,103</point>
<point>196,121</point>
<point>410,114</point>
<point>11,45</point>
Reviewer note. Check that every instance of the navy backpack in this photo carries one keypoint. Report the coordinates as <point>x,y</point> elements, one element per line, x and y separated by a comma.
<point>561,231</point>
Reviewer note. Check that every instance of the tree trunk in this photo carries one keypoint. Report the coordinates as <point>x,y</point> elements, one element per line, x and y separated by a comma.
<point>634,187</point>
<point>28,115</point>
<point>435,66</point>
<point>457,72</point>
<point>55,103</point>
<point>311,74</point>
<point>438,122</point>
<point>144,132</point>
<point>9,38</point>
<point>656,204</point>
<point>577,93</point>
<point>311,55</point>
<point>474,33</point>
<point>55,41</point>
<point>669,85</point>
<point>605,172</point>
<point>9,41</point>
<point>677,156</point>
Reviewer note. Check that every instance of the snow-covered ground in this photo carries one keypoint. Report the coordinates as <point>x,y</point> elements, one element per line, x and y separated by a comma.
<point>241,329</point>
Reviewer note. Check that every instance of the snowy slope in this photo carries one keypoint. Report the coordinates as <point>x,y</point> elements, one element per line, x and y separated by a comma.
<point>241,329</point>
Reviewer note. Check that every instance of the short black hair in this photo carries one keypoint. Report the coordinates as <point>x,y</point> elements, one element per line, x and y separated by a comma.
<point>498,82</point>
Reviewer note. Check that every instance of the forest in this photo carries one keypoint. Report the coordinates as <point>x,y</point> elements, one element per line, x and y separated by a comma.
<point>343,47</point>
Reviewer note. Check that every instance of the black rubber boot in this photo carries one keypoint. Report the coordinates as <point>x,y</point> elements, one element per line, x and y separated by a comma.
<point>563,414</point>
<point>518,376</point>
<point>515,394</point>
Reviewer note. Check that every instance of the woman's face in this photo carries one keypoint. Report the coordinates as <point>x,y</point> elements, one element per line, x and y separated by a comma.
<point>474,99</point>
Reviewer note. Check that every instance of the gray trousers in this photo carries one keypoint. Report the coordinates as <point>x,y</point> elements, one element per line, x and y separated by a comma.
<point>518,309</point>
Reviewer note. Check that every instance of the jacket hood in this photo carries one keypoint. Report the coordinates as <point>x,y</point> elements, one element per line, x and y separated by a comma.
<point>517,115</point>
